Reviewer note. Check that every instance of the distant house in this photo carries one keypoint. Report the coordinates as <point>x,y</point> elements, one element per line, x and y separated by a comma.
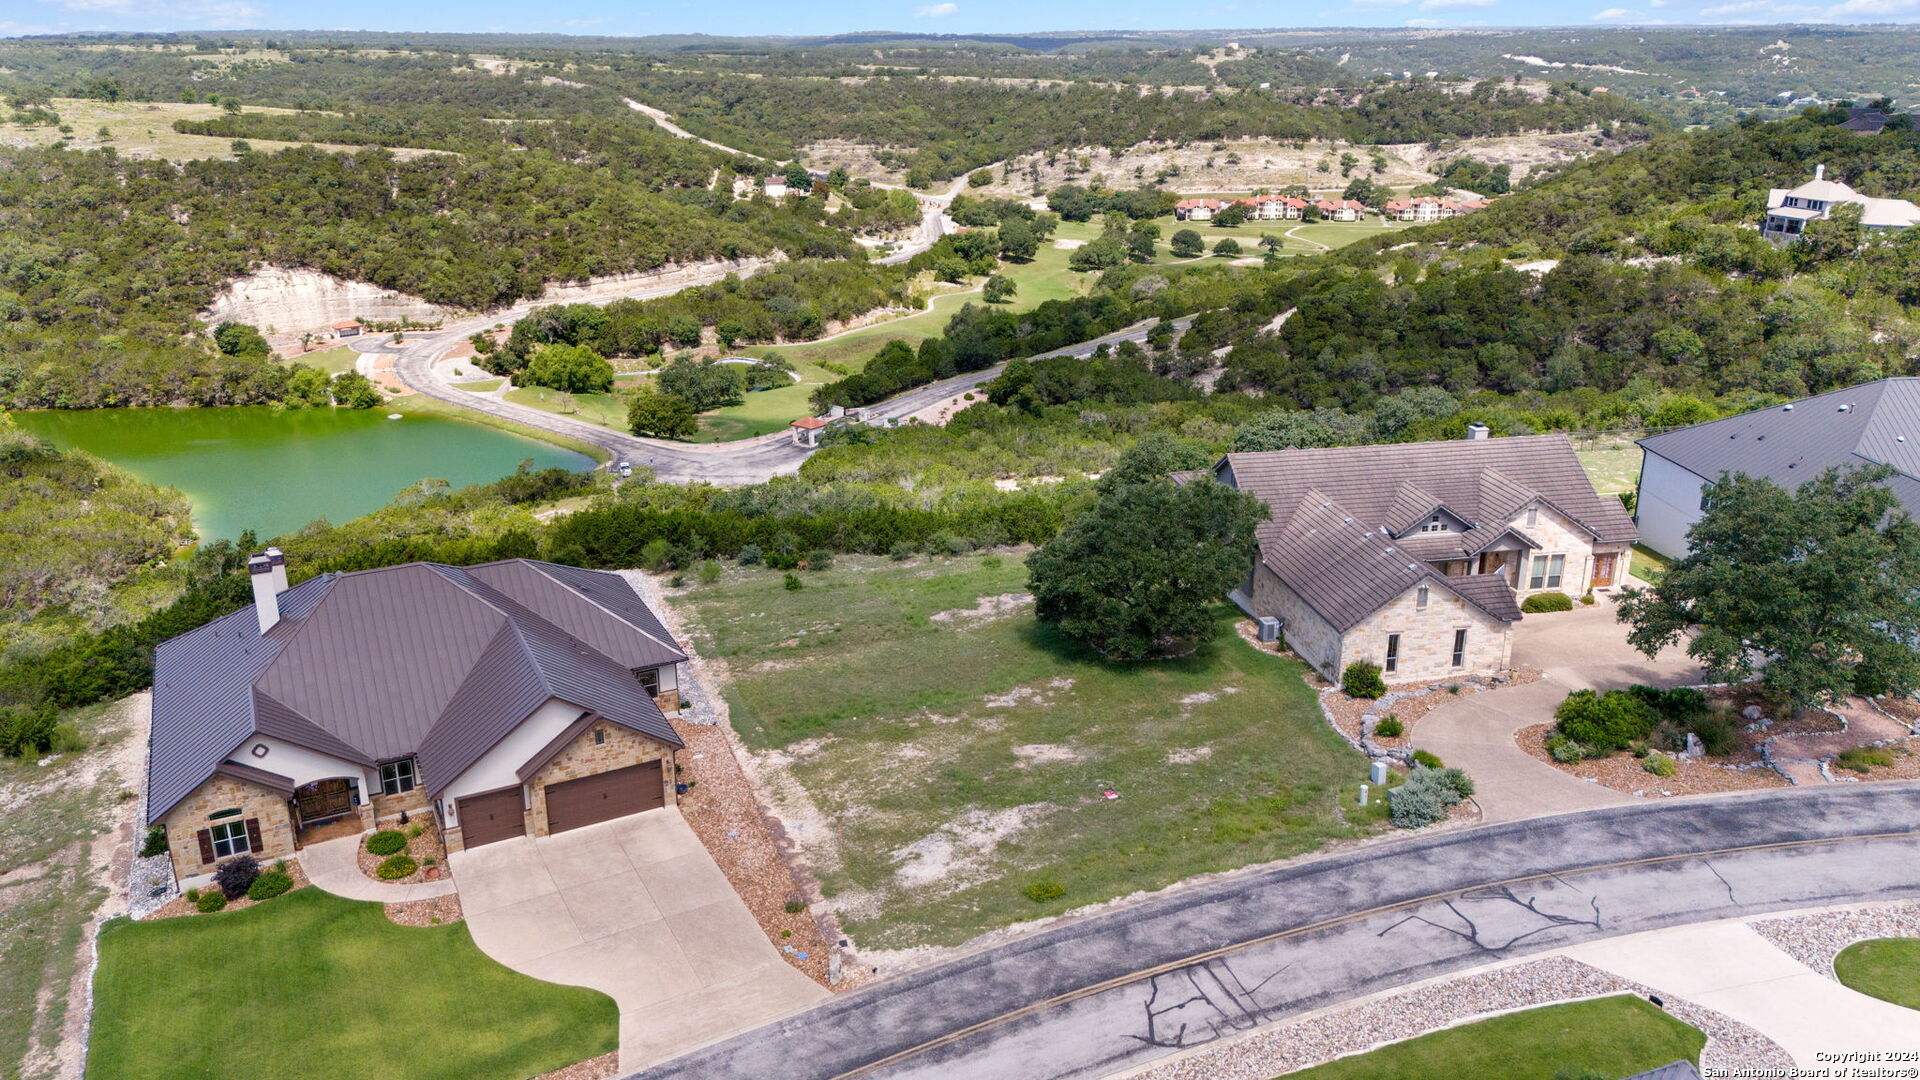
<point>1341,209</point>
<point>1874,424</point>
<point>507,699</point>
<point>1273,207</point>
<point>1416,556</point>
<point>1866,121</point>
<point>775,187</point>
<point>807,429</point>
<point>1198,209</point>
<point>350,328</point>
<point>1429,208</point>
<point>1790,210</point>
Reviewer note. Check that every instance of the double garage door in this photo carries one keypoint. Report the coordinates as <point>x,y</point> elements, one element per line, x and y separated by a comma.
<point>486,819</point>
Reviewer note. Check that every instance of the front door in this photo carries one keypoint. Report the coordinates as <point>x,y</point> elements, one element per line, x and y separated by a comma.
<point>324,800</point>
<point>1603,570</point>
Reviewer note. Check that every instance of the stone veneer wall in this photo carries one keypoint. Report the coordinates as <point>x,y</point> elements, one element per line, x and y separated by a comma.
<point>581,757</point>
<point>386,806</point>
<point>185,821</point>
<point>1426,637</point>
<point>669,701</point>
<point>1558,536</point>
<point>1311,637</point>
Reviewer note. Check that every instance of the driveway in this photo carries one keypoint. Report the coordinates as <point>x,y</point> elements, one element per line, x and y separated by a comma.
<point>637,909</point>
<point>1580,649</point>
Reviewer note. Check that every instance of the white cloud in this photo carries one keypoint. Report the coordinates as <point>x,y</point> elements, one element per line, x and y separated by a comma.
<point>1424,24</point>
<point>1618,14</point>
<point>935,11</point>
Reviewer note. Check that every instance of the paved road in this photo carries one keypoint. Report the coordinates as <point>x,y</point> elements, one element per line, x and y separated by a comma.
<point>1115,991</point>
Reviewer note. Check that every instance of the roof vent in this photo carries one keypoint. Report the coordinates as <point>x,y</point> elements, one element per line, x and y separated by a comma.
<point>1788,407</point>
<point>1899,438</point>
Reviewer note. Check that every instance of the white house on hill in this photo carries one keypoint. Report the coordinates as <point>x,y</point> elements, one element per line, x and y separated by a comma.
<point>1790,209</point>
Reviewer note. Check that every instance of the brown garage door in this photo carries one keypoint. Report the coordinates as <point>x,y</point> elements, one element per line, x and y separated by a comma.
<point>487,818</point>
<point>604,796</point>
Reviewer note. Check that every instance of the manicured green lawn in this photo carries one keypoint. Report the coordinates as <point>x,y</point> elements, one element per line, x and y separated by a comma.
<point>312,986</point>
<point>1612,1037</point>
<point>955,759</point>
<point>607,410</point>
<point>1886,968</point>
<point>1649,565</point>
<point>332,361</point>
<point>483,386</point>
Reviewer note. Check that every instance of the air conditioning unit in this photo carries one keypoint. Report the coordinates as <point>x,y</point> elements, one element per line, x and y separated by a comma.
<point>1269,628</point>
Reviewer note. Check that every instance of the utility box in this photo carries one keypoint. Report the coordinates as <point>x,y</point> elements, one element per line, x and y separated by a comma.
<point>1378,773</point>
<point>1269,629</point>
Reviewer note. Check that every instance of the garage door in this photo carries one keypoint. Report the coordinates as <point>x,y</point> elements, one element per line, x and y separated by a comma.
<point>604,796</point>
<point>485,819</point>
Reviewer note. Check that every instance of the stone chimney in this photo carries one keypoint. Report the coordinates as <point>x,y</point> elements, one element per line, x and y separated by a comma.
<point>266,590</point>
<point>1476,431</point>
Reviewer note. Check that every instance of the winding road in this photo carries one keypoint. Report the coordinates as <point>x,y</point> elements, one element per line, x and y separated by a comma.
<point>1118,990</point>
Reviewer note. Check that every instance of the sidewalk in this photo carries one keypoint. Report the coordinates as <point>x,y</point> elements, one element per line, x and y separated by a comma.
<point>333,865</point>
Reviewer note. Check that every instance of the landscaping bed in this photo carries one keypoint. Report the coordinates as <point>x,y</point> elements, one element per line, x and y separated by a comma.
<point>281,990</point>
<point>1692,776</point>
<point>1014,776</point>
<point>1817,940</point>
<point>380,861</point>
<point>433,911</point>
<point>1406,703</point>
<point>188,903</point>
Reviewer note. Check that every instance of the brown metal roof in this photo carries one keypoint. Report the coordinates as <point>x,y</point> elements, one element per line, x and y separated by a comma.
<point>422,659</point>
<point>1334,513</point>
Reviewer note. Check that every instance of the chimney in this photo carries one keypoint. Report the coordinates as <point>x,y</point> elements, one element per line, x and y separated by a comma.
<point>266,591</point>
<point>1476,431</point>
<point>278,560</point>
<point>1819,172</point>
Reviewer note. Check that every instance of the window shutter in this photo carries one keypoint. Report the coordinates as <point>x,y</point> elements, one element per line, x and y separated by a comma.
<point>253,835</point>
<point>206,845</point>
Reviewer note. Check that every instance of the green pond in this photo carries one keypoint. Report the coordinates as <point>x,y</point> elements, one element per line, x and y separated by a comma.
<point>257,468</point>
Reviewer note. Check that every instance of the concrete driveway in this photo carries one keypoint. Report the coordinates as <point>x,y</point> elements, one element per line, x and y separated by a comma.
<point>637,909</point>
<point>1580,649</point>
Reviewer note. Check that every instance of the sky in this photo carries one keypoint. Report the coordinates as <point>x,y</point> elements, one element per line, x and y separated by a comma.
<point>637,17</point>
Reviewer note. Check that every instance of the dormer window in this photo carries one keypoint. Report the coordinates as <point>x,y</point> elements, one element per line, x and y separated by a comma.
<point>1434,524</point>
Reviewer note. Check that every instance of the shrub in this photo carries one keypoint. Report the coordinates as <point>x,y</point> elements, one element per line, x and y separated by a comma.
<point>750,555</point>
<point>1587,600</point>
<point>948,544</point>
<point>1428,759</point>
<point>1362,680</point>
<point>1389,727</point>
<point>1861,759</point>
<point>819,559</point>
<point>1044,890</point>
<point>709,572</point>
<point>1566,751</point>
<point>211,901</point>
<point>1546,601</point>
<point>1457,779</point>
<point>193,896</point>
<point>235,876</point>
<point>1718,734</point>
<point>396,867</point>
<point>1682,706</point>
<point>1604,722</point>
<point>386,842</point>
<point>155,843</point>
<point>25,732</point>
<point>792,582</point>
<point>901,551</point>
<point>795,907</point>
<point>416,829</point>
<point>269,885</point>
<point>1659,764</point>
<point>1424,799</point>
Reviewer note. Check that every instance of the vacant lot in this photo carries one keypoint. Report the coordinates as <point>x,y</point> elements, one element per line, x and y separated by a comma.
<point>938,752</point>
<point>312,986</point>
<point>145,129</point>
<point>1611,1036</point>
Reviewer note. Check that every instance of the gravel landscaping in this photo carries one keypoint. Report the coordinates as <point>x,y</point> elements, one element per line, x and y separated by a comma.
<point>434,911</point>
<point>1315,1039</point>
<point>423,847</point>
<point>180,905</point>
<point>1692,776</point>
<point>1816,939</point>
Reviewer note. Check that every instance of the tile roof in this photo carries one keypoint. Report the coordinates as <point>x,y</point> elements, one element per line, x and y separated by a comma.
<point>1877,423</point>
<point>1334,514</point>
<point>434,661</point>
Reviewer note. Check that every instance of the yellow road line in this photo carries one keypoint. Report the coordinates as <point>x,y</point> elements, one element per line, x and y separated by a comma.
<point>1339,920</point>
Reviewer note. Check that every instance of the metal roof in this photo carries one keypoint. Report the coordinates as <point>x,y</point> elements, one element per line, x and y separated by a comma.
<point>1334,513</point>
<point>1877,423</point>
<point>434,661</point>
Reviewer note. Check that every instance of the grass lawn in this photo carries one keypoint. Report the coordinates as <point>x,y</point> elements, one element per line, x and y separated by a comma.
<point>1612,1036</point>
<point>1612,464</point>
<point>332,361</point>
<point>1649,565</point>
<point>607,410</point>
<point>313,986</point>
<point>1886,968</point>
<point>951,751</point>
<point>145,129</point>
<point>53,881</point>
<point>483,386</point>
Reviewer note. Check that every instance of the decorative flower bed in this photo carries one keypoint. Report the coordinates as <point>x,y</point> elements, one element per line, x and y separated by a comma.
<point>437,911</point>
<point>403,854</point>
<point>190,902</point>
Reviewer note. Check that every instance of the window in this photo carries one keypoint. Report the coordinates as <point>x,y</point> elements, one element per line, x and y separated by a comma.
<point>1393,653</point>
<point>1434,524</point>
<point>599,736</point>
<point>1420,600</point>
<point>229,838</point>
<point>1459,648</point>
<point>398,776</point>
<point>649,680</point>
<point>1546,571</point>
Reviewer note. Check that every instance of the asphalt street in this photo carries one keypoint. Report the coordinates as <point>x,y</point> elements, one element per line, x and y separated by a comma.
<point>1117,990</point>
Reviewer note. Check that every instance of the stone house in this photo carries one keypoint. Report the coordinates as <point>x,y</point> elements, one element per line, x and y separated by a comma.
<point>507,699</point>
<point>1198,209</point>
<point>1417,556</point>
